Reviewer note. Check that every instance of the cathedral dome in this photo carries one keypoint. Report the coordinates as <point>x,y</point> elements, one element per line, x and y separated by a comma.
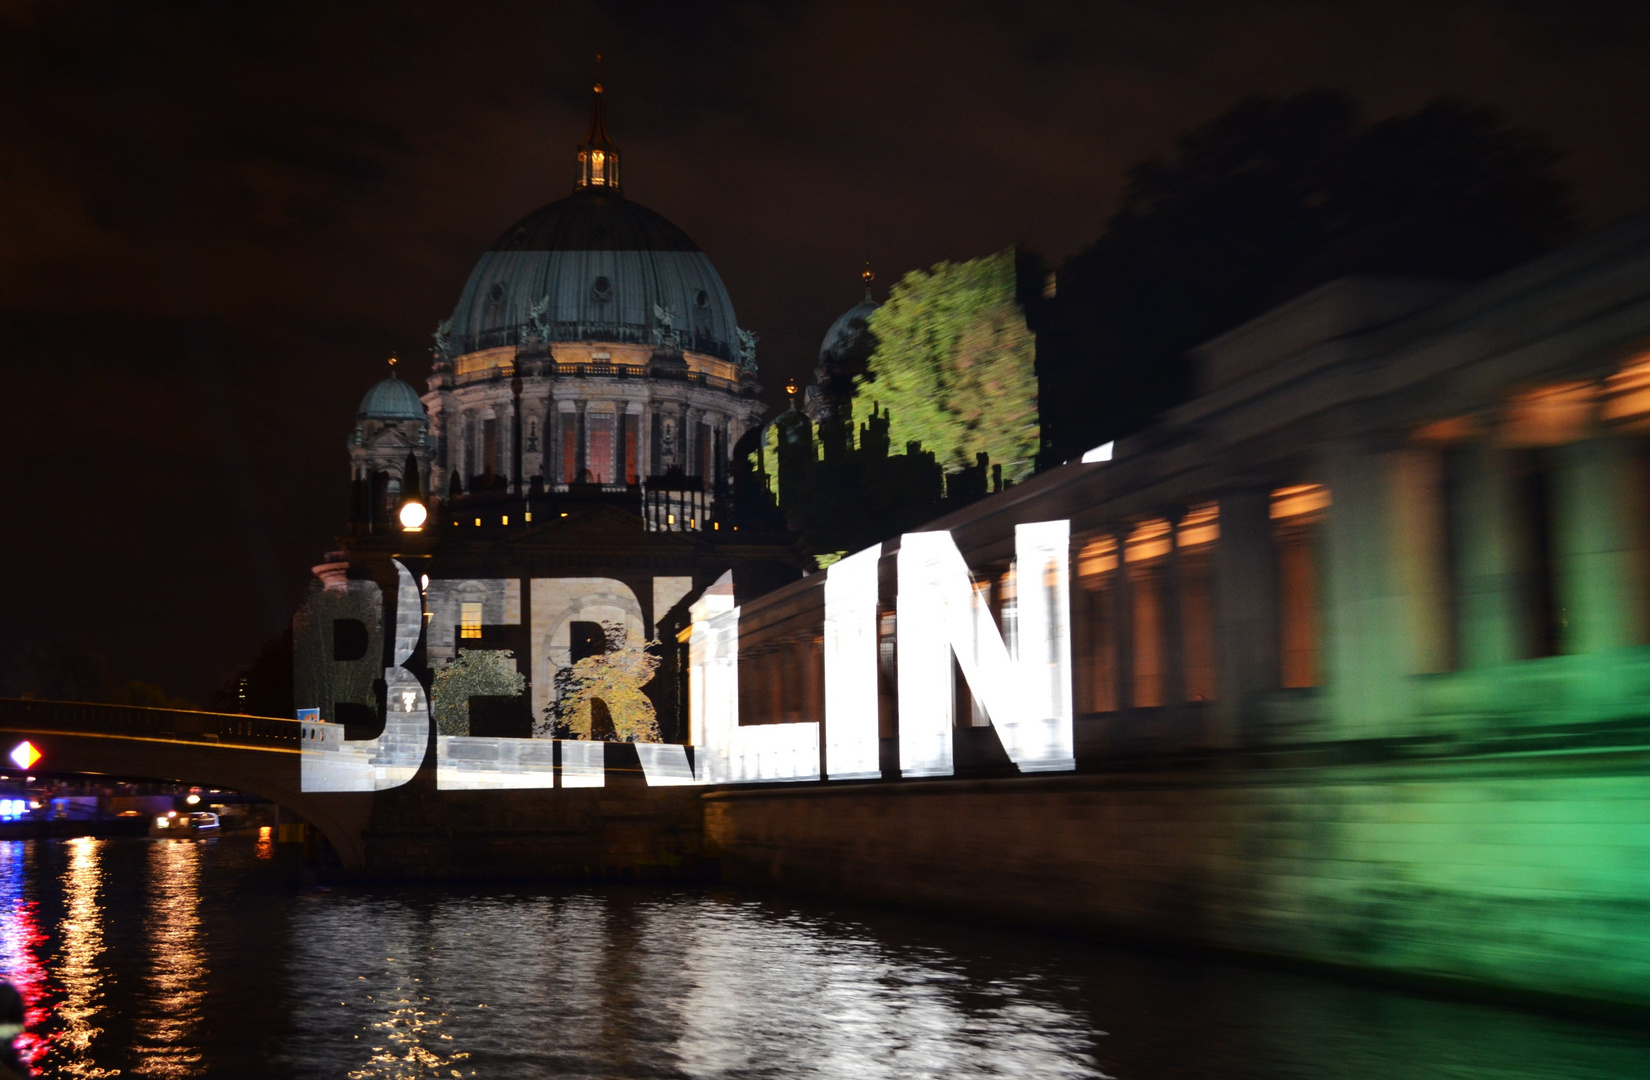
<point>846,334</point>
<point>392,399</point>
<point>595,266</point>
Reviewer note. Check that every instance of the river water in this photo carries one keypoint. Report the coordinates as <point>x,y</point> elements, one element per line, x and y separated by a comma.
<point>188,958</point>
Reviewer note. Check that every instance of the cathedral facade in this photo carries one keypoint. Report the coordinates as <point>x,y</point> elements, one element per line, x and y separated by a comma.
<point>594,348</point>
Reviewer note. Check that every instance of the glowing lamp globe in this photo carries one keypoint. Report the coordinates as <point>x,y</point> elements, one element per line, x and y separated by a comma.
<point>24,754</point>
<point>413,515</point>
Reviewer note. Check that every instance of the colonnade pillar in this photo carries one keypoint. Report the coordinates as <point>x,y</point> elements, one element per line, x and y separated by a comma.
<point>1598,545</point>
<point>1364,610</point>
<point>1246,600</point>
<point>1174,622</point>
<point>1488,560</point>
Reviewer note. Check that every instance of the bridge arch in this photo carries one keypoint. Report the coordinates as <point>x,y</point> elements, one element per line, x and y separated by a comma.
<point>254,754</point>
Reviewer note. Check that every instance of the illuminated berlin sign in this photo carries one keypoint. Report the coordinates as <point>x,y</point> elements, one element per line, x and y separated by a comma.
<point>1024,685</point>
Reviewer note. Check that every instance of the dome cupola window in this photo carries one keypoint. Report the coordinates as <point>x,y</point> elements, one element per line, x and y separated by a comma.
<point>601,290</point>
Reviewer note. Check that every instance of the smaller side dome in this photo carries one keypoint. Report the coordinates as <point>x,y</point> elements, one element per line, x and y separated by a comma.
<point>392,399</point>
<point>846,337</point>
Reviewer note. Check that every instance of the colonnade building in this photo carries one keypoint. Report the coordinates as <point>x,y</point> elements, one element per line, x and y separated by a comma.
<point>1360,654</point>
<point>1395,506</point>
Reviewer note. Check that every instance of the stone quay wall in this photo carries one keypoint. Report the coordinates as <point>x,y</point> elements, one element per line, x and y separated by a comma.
<point>625,831</point>
<point>1525,872</point>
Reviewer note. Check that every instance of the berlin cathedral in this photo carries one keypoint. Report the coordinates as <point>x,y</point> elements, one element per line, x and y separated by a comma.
<point>577,459</point>
<point>594,350</point>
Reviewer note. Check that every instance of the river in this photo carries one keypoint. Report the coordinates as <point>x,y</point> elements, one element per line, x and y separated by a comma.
<point>189,958</point>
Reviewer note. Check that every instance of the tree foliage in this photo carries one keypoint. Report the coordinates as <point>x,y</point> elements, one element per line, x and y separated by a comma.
<point>1262,204</point>
<point>954,366</point>
<point>476,673</point>
<point>601,697</point>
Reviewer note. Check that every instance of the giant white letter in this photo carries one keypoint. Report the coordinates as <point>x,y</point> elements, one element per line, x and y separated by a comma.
<point>851,731</point>
<point>328,763</point>
<point>1028,696</point>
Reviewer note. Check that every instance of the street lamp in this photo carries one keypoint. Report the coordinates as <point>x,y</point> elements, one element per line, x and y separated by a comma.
<point>413,515</point>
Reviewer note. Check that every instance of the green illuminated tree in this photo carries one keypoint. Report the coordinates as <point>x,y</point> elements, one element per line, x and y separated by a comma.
<point>600,697</point>
<point>954,366</point>
<point>476,673</point>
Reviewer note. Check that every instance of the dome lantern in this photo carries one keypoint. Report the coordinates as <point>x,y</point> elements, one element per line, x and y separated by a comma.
<point>598,157</point>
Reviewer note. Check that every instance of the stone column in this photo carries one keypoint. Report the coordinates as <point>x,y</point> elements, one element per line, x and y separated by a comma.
<point>1246,604</point>
<point>1123,627</point>
<point>546,462</point>
<point>1598,546</point>
<point>655,451</point>
<point>1419,530</point>
<point>1174,621</point>
<point>579,464</point>
<point>626,427</point>
<point>687,434</point>
<point>1487,560</point>
<point>516,442</point>
<point>1364,648</point>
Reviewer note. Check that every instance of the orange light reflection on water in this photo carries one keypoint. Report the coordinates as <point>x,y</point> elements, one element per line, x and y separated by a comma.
<point>172,1010</point>
<point>82,948</point>
<point>265,848</point>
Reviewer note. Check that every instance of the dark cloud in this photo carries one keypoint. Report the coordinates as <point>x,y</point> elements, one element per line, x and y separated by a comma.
<point>216,220</point>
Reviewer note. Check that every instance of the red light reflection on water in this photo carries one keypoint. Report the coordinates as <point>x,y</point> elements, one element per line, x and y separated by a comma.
<point>20,945</point>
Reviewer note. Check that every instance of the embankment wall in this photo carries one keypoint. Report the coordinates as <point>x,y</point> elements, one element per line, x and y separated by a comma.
<point>1525,872</point>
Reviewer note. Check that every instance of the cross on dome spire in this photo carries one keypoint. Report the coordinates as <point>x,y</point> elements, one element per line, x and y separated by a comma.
<point>598,157</point>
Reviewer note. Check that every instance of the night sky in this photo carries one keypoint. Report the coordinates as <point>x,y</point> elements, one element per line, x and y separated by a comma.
<point>217,220</point>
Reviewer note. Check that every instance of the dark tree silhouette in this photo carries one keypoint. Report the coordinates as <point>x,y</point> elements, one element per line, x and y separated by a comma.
<point>1262,204</point>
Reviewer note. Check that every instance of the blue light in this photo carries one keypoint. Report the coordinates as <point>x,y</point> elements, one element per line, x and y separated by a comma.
<point>13,808</point>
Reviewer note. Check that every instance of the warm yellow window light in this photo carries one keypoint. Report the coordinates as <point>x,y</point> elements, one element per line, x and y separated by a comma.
<point>1097,559</point>
<point>1308,501</point>
<point>1200,526</point>
<point>1147,540</point>
<point>469,620</point>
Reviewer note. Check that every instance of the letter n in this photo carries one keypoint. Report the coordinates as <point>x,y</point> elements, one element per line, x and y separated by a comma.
<point>940,614</point>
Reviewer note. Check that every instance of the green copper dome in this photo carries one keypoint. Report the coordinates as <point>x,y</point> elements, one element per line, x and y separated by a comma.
<point>391,399</point>
<point>847,335</point>
<point>595,266</point>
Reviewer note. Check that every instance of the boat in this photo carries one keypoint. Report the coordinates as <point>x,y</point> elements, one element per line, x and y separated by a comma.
<point>183,826</point>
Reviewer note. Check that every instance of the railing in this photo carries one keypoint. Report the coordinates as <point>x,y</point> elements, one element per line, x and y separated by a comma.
<point>616,332</point>
<point>529,368</point>
<point>93,718</point>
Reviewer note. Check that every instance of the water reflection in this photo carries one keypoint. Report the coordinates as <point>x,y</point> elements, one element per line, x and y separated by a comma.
<point>589,984</point>
<point>21,943</point>
<point>798,998</point>
<point>181,958</point>
<point>78,970</point>
<point>177,972</point>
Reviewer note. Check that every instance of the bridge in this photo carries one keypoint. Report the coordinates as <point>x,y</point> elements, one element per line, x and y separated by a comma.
<point>254,754</point>
<point>622,829</point>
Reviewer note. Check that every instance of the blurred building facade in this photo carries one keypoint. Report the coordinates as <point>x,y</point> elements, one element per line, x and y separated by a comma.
<point>1360,645</point>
